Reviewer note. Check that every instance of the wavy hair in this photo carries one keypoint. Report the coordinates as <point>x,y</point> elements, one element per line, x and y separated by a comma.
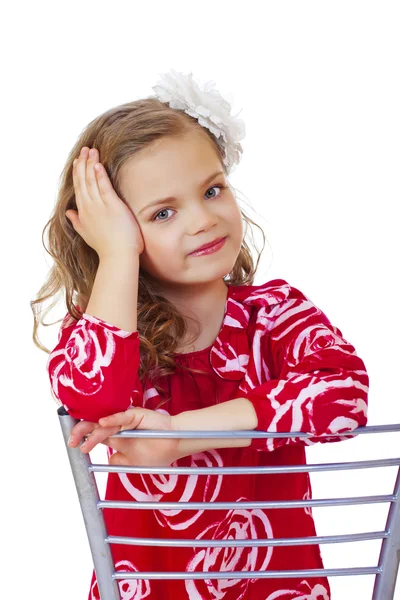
<point>118,134</point>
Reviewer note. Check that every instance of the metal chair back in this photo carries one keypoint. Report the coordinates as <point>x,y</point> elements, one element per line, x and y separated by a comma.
<point>91,505</point>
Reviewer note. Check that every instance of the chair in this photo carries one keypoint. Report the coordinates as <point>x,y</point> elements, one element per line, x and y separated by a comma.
<point>83,471</point>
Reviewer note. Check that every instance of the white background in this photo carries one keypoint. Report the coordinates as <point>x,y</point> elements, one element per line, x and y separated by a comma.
<point>318,86</point>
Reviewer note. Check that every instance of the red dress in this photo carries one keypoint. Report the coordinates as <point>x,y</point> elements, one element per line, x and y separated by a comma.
<point>279,350</point>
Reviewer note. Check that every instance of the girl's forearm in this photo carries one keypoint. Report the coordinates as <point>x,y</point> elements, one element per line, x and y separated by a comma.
<point>227,416</point>
<point>114,295</point>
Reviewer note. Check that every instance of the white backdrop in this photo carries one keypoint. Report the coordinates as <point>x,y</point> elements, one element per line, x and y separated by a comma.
<point>319,90</point>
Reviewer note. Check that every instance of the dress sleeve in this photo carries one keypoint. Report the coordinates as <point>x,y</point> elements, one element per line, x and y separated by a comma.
<point>93,369</point>
<point>319,385</point>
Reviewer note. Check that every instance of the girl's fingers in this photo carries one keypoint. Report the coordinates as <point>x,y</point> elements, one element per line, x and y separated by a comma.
<point>107,426</point>
<point>126,419</point>
<point>98,436</point>
<point>91,177</point>
<point>75,180</point>
<point>117,444</point>
<point>80,430</point>
<point>105,187</point>
<point>80,178</point>
<point>119,459</point>
<point>88,183</point>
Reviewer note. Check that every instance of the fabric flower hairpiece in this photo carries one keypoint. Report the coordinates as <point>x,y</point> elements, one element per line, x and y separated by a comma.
<point>208,107</point>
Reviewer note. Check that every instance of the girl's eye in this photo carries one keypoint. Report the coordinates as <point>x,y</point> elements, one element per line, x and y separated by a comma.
<point>164,210</point>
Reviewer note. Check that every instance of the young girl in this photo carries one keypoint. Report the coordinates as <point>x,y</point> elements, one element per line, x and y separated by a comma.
<point>161,334</point>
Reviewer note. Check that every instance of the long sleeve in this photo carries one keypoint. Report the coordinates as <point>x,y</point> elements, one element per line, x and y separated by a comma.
<point>319,385</point>
<point>93,369</point>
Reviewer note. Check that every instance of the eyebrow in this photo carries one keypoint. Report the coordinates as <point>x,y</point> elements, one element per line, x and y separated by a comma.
<point>173,199</point>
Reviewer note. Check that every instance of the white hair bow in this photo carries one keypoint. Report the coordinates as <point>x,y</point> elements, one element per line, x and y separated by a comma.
<point>208,107</point>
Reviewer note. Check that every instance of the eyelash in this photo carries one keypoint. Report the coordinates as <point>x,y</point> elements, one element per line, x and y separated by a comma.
<point>220,186</point>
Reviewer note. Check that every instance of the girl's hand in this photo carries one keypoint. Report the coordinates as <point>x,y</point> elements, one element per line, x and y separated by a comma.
<point>131,451</point>
<point>103,220</point>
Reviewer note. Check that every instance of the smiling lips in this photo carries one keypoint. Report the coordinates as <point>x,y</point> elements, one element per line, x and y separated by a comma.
<point>209,248</point>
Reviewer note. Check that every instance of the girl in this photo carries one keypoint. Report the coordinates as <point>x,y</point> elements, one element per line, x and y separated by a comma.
<point>166,330</point>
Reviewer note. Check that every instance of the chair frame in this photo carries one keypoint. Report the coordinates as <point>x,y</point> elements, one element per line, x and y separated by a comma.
<point>91,506</point>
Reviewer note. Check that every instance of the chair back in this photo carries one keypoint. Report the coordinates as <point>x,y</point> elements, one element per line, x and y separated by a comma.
<point>91,505</point>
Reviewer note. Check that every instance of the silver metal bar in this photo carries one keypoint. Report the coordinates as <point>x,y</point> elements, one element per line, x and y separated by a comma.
<point>389,557</point>
<point>161,433</point>
<point>341,466</point>
<point>299,541</point>
<point>88,495</point>
<point>246,574</point>
<point>249,505</point>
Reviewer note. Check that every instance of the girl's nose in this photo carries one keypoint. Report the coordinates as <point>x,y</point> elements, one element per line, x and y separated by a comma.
<point>201,217</point>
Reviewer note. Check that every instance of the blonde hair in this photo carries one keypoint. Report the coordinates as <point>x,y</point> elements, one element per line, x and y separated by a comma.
<point>118,134</point>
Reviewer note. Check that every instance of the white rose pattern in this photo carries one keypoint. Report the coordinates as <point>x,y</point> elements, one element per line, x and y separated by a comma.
<point>317,592</point>
<point>239,524</point>
<point>129,589</point>
<point>79,366</point>
<point>172,488</point>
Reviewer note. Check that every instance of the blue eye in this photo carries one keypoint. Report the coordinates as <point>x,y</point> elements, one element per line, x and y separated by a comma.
<point>164,210</point>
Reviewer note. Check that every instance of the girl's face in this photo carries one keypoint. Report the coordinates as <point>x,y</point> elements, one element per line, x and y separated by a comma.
<point>181,199</point>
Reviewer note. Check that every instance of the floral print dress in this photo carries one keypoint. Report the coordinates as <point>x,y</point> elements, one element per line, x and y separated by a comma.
<point>279,350</point>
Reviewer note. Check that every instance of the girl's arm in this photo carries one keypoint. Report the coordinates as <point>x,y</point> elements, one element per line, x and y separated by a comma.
<point>226,416</point>
<point>114,295</point>
<point>93,369</point>
<point>318,385</point>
